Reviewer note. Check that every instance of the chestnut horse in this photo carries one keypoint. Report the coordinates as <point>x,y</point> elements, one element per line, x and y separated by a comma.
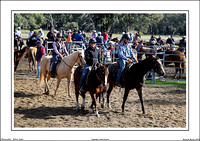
<point>96,83</point>
<point>133,77</point>
<point>179,61</point>
<point>64,69</point>
<point>32,58</point>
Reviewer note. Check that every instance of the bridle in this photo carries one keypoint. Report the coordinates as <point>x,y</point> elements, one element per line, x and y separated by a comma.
<point>76,61</point>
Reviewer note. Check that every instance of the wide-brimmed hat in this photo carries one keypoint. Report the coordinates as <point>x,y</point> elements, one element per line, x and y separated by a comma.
<point>58,35</point>
<point>69,30</point>
<point>38,41</point>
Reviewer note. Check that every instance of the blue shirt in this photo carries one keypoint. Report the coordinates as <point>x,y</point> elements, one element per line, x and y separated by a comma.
<point>131,39</point>
<point>79,37</point>
<point>125,51</point>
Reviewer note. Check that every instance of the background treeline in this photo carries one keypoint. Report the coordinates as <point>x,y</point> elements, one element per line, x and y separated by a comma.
<point>159,24</point>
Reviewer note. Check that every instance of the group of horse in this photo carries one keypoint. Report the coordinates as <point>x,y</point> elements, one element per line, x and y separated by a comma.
<point>133,76</point>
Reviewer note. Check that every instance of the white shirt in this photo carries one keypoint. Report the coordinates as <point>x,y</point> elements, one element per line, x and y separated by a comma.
<point>18,32</point>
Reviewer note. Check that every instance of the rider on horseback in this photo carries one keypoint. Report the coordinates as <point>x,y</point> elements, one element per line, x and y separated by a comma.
<point>58,49</point>
<point>91,55</point>
<point>125,52</point>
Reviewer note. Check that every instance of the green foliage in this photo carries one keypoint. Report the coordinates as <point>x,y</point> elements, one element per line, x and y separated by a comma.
<point>146,23</point>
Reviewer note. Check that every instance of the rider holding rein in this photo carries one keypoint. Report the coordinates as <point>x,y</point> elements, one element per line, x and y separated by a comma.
<point>125,52</point>
<point>58,49</point>
<point>92,55</point>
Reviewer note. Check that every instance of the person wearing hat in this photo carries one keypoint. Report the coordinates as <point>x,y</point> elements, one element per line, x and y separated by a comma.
<point>33,39</point>
<point>69,39</point>
<point>58,50</point>
<point>39,55</point>
<point>74,34</point>
<point>50,35</point>
<point>171,42</point>
<point>136,39</point>
<point>152,41</point>
<point>99,40</point>
<point>125,54</point>
<point>182,44</point>
<point>18,32</point>
<point>92,55</point>
<point>79,37</point>
<point>94,35</point>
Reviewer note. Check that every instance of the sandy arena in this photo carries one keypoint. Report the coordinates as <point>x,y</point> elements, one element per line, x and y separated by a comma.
<point>165,106</point>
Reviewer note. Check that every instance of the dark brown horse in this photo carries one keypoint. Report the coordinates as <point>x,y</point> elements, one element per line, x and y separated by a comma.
<point>134,77</point>
<point>18,55</point>
<point>96,83</point>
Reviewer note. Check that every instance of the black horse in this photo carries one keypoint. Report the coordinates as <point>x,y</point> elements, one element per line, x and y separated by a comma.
<point>133,77</point>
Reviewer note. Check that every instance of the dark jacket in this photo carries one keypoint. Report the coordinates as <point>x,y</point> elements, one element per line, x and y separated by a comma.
<point>90,54</point>
<point>99,39</point>
<point>33,40</point>
<point>51,36</point>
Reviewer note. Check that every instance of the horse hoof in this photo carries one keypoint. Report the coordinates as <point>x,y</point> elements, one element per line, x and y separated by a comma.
<point>91,111</point>
<point>82,107</point>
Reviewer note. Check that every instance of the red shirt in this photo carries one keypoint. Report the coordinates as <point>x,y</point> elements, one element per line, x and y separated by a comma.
<point>105,36</point>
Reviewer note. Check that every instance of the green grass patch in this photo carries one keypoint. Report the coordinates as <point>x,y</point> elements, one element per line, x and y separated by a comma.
<point>167,83</point>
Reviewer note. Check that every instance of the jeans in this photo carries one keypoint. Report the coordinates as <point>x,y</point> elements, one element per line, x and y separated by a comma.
<point>122,64</point>
<point>105,42</point>
<point>55,61</point>
<point>38,69</point>
<point>84,74</point>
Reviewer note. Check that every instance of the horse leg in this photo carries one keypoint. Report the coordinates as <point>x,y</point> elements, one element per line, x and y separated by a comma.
<point>58,83</point>
<point>46,84</point>
<point>141,99</point>
<point>108,94</point>
<point>68,84</point>
<point>125,97</point>
<point>83,103</point>
<point>103,99</point>
<point>94,102</point>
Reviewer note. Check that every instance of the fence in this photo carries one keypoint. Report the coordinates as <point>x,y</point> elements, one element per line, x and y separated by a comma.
<point>111,55</point>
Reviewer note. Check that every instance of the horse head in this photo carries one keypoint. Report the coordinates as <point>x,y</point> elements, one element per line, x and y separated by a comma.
<point>157,66</point>
<point>102,73</point>
<point>81,59</point>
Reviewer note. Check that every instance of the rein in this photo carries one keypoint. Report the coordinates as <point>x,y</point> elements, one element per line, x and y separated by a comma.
<point>76,61</point>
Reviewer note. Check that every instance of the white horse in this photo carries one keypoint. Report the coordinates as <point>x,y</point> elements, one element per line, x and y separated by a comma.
<point>64,69</point>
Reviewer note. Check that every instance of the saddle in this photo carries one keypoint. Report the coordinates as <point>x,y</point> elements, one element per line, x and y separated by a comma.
<point>51,63</point>
<point>113,70</point>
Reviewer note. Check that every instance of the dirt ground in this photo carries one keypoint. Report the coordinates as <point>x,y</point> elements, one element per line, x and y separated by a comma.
<point>165,106</point>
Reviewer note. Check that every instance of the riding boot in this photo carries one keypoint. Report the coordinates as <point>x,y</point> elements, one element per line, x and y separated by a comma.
<point>52,72</point>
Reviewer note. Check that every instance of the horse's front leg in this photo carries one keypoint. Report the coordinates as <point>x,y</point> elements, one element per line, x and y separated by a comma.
<point>108,94</point>
<point>83,103</point>
<point>125,97</point>
<point>68,83</point>
<point>139,90</point>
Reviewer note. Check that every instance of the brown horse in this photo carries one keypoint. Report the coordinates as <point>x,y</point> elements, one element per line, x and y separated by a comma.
<point>18,55</point>
<point>116,40</point>
<point>149,52</point>
<point>32,58</point>
<point>96,82</point>
<point>179,61</point>
<point>64,69</point>
<point>133,77</point>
